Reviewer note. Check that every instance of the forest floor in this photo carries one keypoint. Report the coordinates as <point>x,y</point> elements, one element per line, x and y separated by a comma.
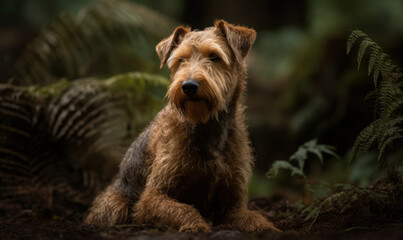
<point>64,221</point>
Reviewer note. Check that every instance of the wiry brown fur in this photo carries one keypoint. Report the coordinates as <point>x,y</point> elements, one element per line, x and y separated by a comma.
<point>191,167</point>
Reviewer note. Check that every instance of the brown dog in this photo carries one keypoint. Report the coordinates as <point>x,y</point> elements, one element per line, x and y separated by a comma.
<point>192,165</point>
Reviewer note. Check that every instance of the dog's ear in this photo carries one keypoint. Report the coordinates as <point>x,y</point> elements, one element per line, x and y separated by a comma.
<point>165,47</point>
<point>240,39</point>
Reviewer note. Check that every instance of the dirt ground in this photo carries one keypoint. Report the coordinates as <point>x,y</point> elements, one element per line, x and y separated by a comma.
<point>65,229</point>
<point>68,230</point>
<point>62,222</point>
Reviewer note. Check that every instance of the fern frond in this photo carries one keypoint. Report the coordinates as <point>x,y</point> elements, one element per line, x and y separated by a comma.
<point>328,149</point>
<point>106,38</point>
<point>284,165</point>
<point>381,130</point>
<point>354,36</point>
<point>388,141</point>
<point>389,130</point>
<point>390,69</point>
<point>50,135</point>
<point>379,61</point>
<point>17,114</point>
<point>313,147</point>
<point>373,59</point>
<point>365,43</point>
<point>394,108</point>
<point>388,98</point>
<point>363,141</point>
<point>301,156</point>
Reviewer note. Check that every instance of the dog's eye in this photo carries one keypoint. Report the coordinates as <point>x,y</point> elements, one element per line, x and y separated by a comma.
<point>181,60</point>
<point>214,57</point>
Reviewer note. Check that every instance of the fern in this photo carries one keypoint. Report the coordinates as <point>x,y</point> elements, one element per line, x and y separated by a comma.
<point>54,137</point>
<point>348,201</point>
<point>300,157</point>
<point>108,37</point>
<point>379,61</point>
<point>388,97</point>
<point>284,165</point>
<point>66,118</point>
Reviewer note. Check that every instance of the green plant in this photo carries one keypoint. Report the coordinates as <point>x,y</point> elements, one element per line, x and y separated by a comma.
<point>66,138</point>
<point>64,126</point>
<point>345,201</point>
<point>387,128</point>
<point>300,157</point>
<point>355,208</point>
<point>106,38</point>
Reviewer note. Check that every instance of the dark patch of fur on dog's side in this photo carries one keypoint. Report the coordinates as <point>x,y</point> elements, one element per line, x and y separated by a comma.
<point>134,168</point>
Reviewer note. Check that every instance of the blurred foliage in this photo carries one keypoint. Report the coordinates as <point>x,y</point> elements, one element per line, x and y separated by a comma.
<point>335,15</point>
<point>118,34</point>
<point>303,86</point>
<point>378,201</point>
<point>65,137</point>
<point>64,126</point>
<point>304,70</point>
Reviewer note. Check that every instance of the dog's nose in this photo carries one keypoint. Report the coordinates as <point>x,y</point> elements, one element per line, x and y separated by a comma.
<point>190,87</point>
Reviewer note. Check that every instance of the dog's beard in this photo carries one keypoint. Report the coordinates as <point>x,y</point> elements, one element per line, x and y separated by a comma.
<point>197,111</point>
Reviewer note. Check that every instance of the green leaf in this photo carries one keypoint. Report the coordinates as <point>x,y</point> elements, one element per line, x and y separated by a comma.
<point>354,36</point>
<point>372,59</point>
<point>365,43</point>
<point>329,150</point>
<point>300,156</point>
<point>318,153</point>
<point>283,165</point>
<point>388,95</point>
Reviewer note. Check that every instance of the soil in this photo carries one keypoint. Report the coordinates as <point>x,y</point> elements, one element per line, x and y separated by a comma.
<point>64,221</point>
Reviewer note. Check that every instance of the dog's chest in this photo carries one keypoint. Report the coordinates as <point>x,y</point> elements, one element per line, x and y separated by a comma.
<point>206,171</point>
<point>207,141</point>
<point>200,185</point>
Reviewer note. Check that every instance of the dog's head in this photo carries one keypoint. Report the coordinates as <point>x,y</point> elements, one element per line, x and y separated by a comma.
<point>206,67</point>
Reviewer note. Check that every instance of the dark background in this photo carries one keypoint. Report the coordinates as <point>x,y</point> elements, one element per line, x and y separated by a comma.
<point>301,84</point>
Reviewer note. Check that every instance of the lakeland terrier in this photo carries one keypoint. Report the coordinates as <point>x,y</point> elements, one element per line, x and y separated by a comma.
<point>190,168</point>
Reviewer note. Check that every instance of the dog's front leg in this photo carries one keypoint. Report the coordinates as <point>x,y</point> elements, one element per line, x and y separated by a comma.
<point>249,221</point>
<point>154,207</point>
<point>235,212</point>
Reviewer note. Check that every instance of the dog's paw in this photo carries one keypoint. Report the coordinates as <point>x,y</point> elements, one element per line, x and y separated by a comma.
<point>251,221</point>
<point>195,227</point>
<point>259,226</point>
